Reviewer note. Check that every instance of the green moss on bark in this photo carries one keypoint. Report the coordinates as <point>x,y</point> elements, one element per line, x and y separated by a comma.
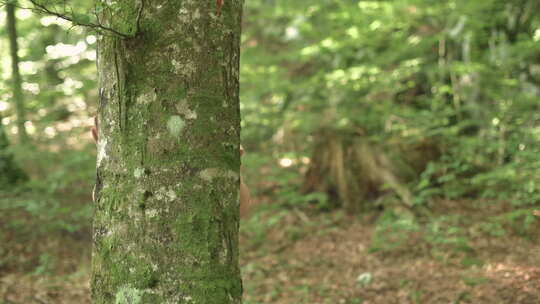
<point>166,222</point>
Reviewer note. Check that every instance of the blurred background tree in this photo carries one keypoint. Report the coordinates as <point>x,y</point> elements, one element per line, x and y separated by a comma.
<point>58,81</point>
<point>405,112</point>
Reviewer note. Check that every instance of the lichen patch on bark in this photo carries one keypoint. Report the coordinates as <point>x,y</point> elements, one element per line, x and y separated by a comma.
<point>211,173</point>
<point>183,108</point>
<point>138,173</point>
<point>175,125</point>
<point>101,150</point>
<point>147,97</point>
<point>167,194</point>
<point>128,295</point>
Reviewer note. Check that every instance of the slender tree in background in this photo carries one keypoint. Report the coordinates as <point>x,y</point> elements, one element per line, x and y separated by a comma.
<point>166,199</point>
<point>16,81</point>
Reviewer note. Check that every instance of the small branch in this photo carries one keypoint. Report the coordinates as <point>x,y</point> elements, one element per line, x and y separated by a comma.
<point>97,15</point>
<point>91,25</point>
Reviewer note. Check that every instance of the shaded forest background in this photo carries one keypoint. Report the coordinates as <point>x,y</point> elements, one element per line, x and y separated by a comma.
<point>407,128</point>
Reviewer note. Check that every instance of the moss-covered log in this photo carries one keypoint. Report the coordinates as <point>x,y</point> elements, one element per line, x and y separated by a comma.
<point>166,210</point>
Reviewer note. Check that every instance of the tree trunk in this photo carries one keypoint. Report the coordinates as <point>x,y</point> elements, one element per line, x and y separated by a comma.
<point>166,211</point>
<point>16,81</point>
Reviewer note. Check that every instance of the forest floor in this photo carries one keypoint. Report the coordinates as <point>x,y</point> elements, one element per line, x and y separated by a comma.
<point>292,258</point>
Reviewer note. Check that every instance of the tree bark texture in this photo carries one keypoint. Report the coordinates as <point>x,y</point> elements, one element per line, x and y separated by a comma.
<point>16,82</point>
<point>166,212</point>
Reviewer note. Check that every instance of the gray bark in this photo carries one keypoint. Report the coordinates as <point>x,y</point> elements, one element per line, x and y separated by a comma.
<point>166,211</point>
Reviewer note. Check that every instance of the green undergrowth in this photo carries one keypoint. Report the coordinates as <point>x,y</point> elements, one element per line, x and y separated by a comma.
<point>53,207</point>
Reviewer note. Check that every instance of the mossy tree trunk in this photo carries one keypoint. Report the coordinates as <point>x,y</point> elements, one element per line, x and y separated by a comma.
<point>16,82</point>
<point>166,211</point>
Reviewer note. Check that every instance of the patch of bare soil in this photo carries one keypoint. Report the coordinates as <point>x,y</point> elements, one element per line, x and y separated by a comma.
<point>17,288</point>
<point>331,263</point>
<point>292,258</point>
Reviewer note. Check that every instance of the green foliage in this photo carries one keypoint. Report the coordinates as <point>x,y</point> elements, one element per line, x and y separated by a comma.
<point>11,172</point>
<point>46,264</point>
<point>447,90</point>
<point>447,233</point>
<point>463,76</point>
<point>256,229</point>
<point>55,202</point>
<point>393,232</point>
<point>59,81</point>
